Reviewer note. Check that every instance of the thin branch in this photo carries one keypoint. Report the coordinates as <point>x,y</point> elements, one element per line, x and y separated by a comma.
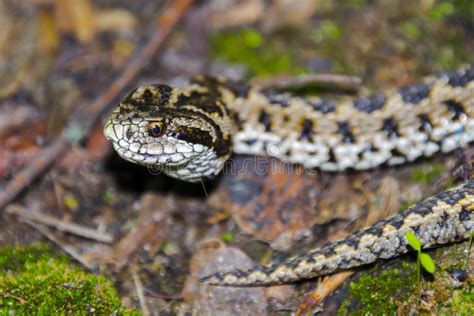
<point>72,252</point>
<point>68,227</point>
<point>85,118</point>
<point>139,290</point>
<point>327,286</point>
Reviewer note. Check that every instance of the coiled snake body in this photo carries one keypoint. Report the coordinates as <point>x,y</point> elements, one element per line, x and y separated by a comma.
<point>190,133</point>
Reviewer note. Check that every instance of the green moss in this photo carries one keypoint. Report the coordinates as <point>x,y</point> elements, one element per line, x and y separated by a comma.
<point>450,300</point>
<point>377,294</point>
<point>328,30</point>
<point>451,257</point>
<point>228,238</point>
<point>16,259</point>
<point>440,11</point>
<point>410,30</point>
<point>33,282</point>
<point>429,174</point>
<point>262,55</point>
<point>469,247</point>
<point>460,303</point>
<point>463,8</point>
<point>432,32</point>
<point>356,3</point>
<point>108,196</point>
<point>395,291</point>
<point>451,50</point>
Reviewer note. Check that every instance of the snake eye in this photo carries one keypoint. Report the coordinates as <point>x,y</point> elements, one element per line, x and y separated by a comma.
<point>156,129</point>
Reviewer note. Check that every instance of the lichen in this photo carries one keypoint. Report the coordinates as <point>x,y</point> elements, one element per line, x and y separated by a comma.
<point>32,281</point>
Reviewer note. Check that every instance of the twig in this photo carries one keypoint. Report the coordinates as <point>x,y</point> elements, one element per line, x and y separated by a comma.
<point>8,295</point>
<point>139,289</point>
<point>85,118</point>
<point>323,290</point>
<point>67,249</point>
<point>48,220</point>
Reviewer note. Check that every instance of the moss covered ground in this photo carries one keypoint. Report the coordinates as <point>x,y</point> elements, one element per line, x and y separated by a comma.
<point>34,282</point>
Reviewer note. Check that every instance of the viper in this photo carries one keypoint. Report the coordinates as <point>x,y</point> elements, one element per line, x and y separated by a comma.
<point>189,133</point>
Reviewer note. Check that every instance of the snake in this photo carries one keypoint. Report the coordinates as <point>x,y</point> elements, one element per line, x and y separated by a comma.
<point>190,133</point>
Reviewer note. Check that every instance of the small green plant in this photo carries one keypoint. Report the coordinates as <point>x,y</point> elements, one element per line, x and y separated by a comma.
<point>423,258</point>
<point>469,247</point>
<point>228,238</point>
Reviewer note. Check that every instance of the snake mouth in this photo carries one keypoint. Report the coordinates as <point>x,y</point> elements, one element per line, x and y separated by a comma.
<point>163,159</point>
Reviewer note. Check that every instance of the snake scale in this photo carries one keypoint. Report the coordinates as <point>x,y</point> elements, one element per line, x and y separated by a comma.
<point>190,133</point>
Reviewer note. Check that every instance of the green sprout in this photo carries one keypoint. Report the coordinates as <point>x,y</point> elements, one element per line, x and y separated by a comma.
<point>423,258</point>
<point>228,238</point>
<point>469,247</point>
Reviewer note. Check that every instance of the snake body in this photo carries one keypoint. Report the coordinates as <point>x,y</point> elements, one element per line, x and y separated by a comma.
<point>441,219</point>
<point>190,133</point>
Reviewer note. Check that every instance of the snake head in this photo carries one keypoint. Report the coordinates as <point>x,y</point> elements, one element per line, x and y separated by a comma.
<point>164,128</point>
